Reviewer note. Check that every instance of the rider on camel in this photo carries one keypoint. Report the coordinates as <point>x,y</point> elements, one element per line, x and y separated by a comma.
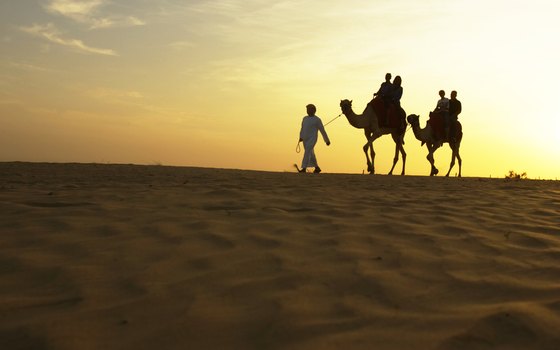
<point>395,101</point>
<point>385,89</point>
<point>454,111</point>
<point>442,107</point>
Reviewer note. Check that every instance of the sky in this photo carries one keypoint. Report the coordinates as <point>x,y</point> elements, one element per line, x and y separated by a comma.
<point>225,83</point>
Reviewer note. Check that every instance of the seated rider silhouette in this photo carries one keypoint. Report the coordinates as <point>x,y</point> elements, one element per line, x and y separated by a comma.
<point>384,95</point>
<point>394,110</point>
<point>442,108</point>
<point>385,88</point>
<point>454,111</point>
<point>390,112</point>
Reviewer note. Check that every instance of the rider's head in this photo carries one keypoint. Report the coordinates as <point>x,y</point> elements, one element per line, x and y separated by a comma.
<point>397,80</point>
<point>441,93</point>
<point>388,77</point>
<point>453,94</point>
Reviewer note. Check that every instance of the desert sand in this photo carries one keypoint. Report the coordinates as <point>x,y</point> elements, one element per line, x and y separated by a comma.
<point>153,257</point>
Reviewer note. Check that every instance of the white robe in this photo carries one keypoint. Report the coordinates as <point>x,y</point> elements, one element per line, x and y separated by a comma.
<point>310,127</point>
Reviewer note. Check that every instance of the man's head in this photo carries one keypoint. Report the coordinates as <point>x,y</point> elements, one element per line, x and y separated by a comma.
<point>388,77</point>
<point>441,93</point>
<point>311,109</point>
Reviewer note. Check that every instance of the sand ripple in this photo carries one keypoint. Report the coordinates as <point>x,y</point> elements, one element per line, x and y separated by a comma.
<point>142,257</point>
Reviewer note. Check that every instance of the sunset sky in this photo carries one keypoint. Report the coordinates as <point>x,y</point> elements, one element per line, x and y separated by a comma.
<point>225,83</point>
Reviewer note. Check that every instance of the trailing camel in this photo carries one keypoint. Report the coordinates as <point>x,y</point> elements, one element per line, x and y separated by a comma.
<point>434,137</point>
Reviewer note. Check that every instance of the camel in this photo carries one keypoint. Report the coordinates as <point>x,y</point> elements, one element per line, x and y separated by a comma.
<point>427,136</point>
<point>369,122</point>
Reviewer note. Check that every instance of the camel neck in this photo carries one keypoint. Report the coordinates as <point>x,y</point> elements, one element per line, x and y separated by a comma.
<point>357,121</point>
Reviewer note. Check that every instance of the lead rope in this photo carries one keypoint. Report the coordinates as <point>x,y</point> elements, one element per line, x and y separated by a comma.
<point>332,120</point>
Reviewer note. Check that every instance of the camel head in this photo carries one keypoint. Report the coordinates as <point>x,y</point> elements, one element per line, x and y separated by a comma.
<point>345,105</point>
<point>413,119</point>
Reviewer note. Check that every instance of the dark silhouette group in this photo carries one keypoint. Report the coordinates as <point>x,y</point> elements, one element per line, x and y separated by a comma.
<point>449,110</point>
<point>391,93</point>
<point>386,104</point>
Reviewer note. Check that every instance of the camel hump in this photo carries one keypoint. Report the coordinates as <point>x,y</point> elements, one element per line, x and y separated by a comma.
<point>396,117</point>
<point>380,109</point>
<point>378,105</point>
<point>436,122</point>
<point>388,114</point>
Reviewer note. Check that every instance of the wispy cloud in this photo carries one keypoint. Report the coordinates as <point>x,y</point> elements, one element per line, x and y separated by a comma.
<point>28,67</point>
<point>113,94</point>
<point>89,12</point>
<point>107,22</point>
<point>50,33</point>
<point>271,42</point>
<point>79,10</point>
<point>182,45</point>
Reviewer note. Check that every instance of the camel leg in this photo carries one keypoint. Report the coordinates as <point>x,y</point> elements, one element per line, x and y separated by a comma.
<point>430,157</point>
<point>369,163</point>
<point>396,157</point>
<point>400,145</point>
<point>372,151</point>
<point>452,160</point>
<point>369,145</point>
<point>455,154</point>
<point>403,153</point>
<point>398,148</point>
<point>459,160</point>
<point>451,165</point>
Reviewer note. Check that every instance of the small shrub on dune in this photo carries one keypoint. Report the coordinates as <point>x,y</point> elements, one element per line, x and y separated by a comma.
<point>512,175</point>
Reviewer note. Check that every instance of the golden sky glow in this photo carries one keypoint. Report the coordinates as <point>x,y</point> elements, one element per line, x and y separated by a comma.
<point>225,83</point>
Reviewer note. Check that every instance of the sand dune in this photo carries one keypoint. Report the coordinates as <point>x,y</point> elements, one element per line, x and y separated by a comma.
<point>152,257</point>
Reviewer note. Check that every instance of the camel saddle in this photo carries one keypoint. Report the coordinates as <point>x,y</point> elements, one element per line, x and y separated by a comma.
<point>388,115</point>
<point>436,122</point>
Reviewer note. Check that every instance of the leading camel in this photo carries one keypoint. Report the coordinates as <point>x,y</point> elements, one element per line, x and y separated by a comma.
<point>369,122</point>
<point>428,136</point>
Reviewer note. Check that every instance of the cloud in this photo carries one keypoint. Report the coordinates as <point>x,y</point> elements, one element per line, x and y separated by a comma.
<point>277,43</point>
<point>28,67</point>
<point>50,33</point>
<point>182,45</point>
<point>106,22</point>
<point>74,9</point>
<point>89,12</point>
<point>113,94</point>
